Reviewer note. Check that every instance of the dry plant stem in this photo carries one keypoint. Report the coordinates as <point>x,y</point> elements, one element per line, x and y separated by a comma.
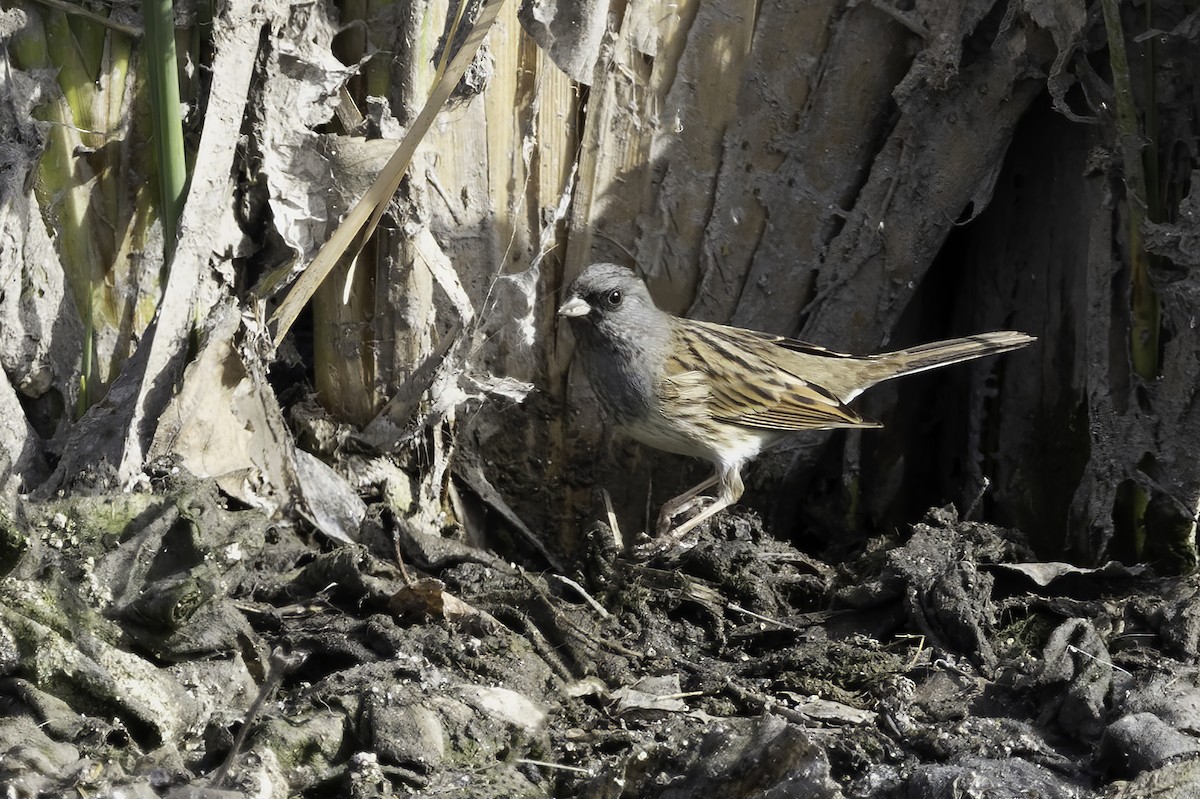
<point>1144,310</point>
<point>985,484</point>
<point>1077,651</point>
<point>547,651</point>
<point>569,624</point>
<point>1143,299</point>
<point>405,577</point>
<point>162,70</point>
<point>79,11</point>
<point>762,703</point>
<point>920,650</point>
<point>358,225</point>
<point>558,766</point>
<point>765,619</point>
<point>596,606</point>
<point>614,526</point>
<point>280,665</point>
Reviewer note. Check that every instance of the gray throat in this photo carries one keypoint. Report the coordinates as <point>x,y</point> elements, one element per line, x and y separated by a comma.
<point>622,372</point>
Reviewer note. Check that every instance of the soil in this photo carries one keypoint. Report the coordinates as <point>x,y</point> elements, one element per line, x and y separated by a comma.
<point>169,644</point>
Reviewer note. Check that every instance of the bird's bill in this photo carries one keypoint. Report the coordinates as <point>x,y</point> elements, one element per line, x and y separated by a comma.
<point>575,306</point>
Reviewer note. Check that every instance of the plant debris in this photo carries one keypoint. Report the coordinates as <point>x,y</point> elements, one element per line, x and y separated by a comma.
<point>170,644</point>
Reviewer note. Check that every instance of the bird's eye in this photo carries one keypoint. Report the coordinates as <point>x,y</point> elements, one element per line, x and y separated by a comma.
<point>614,298</point>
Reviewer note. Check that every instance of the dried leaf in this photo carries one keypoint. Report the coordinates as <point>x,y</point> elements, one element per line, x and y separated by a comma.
<point>506,705</point>
<point>428,597</point>
<point>651,693</point>
<point>1043,574</point>
<point>330,502</point>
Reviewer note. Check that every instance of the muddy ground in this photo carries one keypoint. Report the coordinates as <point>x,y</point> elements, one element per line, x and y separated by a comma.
<point>166,643</point>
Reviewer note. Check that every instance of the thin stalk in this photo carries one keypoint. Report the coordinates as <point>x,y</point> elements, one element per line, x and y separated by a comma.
<point>79,11</point>
<point>163,74</point>
<point>1143,195</point>
<point>88,378</point>
<point>1154,202</point>
<point>1144,304</point>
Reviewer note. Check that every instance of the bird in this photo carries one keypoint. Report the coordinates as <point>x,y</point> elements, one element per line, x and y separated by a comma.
<point>723,393</point>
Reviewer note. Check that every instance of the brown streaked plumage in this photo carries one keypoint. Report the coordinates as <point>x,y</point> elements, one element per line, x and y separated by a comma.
<point>724,393</point>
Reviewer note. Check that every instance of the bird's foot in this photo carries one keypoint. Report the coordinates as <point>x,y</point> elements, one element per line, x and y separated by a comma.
<point>675,508</point>
<point>664,543</point>
<point>679,537</point>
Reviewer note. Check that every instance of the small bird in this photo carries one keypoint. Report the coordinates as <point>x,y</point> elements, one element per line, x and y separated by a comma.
<point>724,393</point>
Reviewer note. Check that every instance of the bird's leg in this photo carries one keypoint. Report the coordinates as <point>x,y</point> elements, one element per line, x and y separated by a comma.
<point>730,491</point>
<point>681,504</point>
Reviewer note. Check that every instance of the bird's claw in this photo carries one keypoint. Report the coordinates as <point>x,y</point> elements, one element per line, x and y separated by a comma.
<point>670,536</point>
<point>663,543</point>
<point>671,510</point>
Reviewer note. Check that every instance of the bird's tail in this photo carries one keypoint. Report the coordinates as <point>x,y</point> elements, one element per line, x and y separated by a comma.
<point>944,353</point>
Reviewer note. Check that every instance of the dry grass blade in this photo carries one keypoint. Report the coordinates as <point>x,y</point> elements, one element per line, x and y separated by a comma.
<point>91,16</point>
<point>361,221</point>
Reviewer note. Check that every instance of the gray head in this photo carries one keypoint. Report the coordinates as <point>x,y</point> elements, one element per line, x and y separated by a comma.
<point>607,300</point>
<point>623,337</point>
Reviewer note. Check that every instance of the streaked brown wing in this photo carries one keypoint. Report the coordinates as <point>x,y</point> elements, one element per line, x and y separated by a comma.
<point>733,372</point>
<point>754,339</point>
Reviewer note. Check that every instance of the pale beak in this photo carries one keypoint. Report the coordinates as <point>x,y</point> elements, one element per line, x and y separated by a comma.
<point>575,306</point>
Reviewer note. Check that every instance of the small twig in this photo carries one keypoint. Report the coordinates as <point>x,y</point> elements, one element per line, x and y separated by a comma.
<point>760,617</point>
<point>441,192</point>
<point>983,487</point>
<point>613,526</point>
<point>920,648</point>
<point>1076,650</point>
<point>560,766</point>
<point>600,234</point>
<point>547,651</point>
<point>649,514</point>
<point>901,164</point>
<point>763,703</point>
<point>280,665</point>
<point>943,663</point>
<point>404,576</point>
<point>71,8</point>
<point>573,627</point>
<point>596,606</point>
<point>682,695</point>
